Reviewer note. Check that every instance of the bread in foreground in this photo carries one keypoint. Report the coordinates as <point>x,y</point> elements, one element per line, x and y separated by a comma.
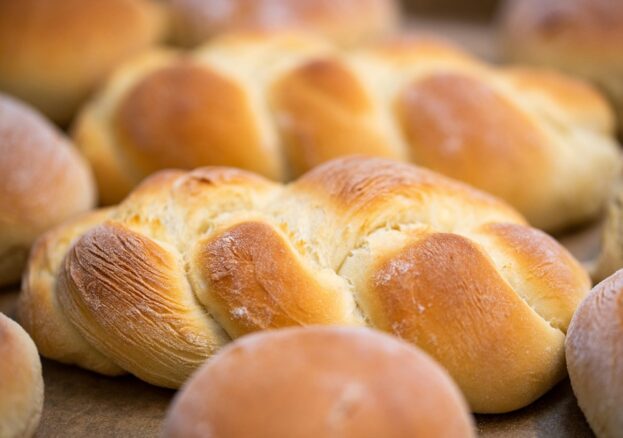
<point>319,382</point>
<point>53,53</point>
<point>279,104</point>
<point>44,180</point>
<point>21,382</point>
<point>191,260</point>
<point>594,350</point>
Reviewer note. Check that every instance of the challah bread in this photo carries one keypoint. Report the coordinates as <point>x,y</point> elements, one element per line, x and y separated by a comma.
<point>594,349</point>
<point>191,260</point>
<point>583,37</point>
<point>319,382</point>
<point>54,52</point>
<point>21,382</point>
<point>43,181</point>
<point>279,104</point>
<point>347,22</point>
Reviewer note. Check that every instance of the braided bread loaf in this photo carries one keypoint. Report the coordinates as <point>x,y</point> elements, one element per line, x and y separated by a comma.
<point>191,260</point>
<point>279,104</point>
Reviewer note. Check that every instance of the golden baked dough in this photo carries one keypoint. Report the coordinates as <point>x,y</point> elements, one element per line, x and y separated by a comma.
<point>191,260</point>
<point>279,104</point>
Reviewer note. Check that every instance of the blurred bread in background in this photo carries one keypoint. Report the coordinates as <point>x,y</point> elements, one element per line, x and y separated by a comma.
<point>54,52</point>
<point>281,103</point>
<point>584,37</point>
<point>347,22</point>
<point>44,180</point>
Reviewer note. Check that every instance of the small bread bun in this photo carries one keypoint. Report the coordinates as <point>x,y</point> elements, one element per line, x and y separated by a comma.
<point>346,22</point>
<point>594,356</point>
<point>21,382</point>
<point>44,181</point>
<point>54,52</point>
<point>319,382</point>
<point>583,37</point>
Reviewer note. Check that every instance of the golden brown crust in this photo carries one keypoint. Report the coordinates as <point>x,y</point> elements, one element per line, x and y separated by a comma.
<point>540,140</point>
<point>536,266</point>
<point>38,309</point>
<point>279,289</point>
<point>442,293</point>
<point>21,382</point>
<point>319,382</point>
<point>54,52</point>
<point>115,281</point>
<point>191,259</point>
<point>183,116</point>
<point>349,22</point>
<point>44,181</point>
<point>326,113</point>
<point>457,124</point>
<point>594,351</point>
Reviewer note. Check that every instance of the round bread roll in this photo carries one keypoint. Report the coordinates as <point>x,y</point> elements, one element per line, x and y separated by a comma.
<point>584,37</point>
<point>21,382</point>
<point>319,382</point>
<point>54,52</point>
<point>594,356</point>
<point>44,181</point>
<point>346,22</point>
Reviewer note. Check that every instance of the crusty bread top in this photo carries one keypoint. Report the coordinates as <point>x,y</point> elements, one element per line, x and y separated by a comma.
<point>281,103</point>
<point>319,382</point>
<point>191,260</point>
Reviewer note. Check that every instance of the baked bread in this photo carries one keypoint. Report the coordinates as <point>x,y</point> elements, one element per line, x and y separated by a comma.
<point>347,22</point>
<point>21,382</point>
<point>54,52</point>
<point>582,37</point>
<point>44,180</point>
<point>594,351</point>
<point>191,260</point>
<point>279,104</point>
<point>319,382</point>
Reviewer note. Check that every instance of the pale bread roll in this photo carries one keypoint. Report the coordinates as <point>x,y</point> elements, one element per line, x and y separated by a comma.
<point>319,382</point>
<point>21,382</point>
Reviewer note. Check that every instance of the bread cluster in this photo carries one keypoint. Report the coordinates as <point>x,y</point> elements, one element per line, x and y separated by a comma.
<point>21,383</point>
<point>319,382</point>
<point>43,181</point>
<point>279,104</point>
<point>582,37</point>
<point>191,260</point>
